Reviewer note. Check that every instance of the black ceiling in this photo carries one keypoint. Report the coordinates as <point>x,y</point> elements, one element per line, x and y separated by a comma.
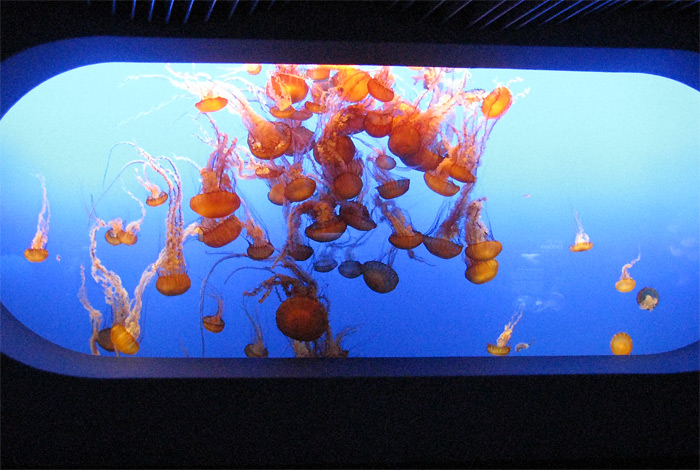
<point>602,23</point>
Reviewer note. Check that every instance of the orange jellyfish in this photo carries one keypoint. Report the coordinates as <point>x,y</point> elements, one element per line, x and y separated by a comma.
<point>260,248</point>
<point>351,84</point>
<point>621,344</point>
<point>404,236</point>
<point>480,243</point>
<point>438,181</point>
<point>211,104</point>
<point>327,226</point>
<point>303,316</point>
<point>444,242</point>
<point>501,347</point>
<point>286,87</point>
<point>37,251</point>
<point>356,215</point>
<point>253,69</point>
<point>378,123</point>
<point>301,187</point>
<point>157,196</point>
<point>219,232</point>
<point>626,283</point>
<point>215,323</point>
<point>581,242</point>
<point>388,187</point>
<point>497,103</point>
<point>125,329</point>
<point>217,198</point>
<point>379,86</point>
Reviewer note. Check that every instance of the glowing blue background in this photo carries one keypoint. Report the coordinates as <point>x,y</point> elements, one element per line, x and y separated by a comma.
<point>622,149</point>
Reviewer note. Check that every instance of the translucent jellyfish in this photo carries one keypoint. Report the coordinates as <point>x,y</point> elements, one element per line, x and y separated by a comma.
<point>501,347</point>
<point>404,236</point>
<point>581,242</point>
<point>443,240</point>
<point>626,283</point>
<point>522,346</point>
<point>647,298</point>
<point>286,86</point>
<point>621,344</point>
<point>480,243</point>
<point>37,251</point>
<point>325,261</point>
<point>215,323</point>
<point>255,348</point>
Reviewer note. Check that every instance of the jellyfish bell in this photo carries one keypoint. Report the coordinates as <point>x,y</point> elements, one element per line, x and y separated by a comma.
<point>122,340</point>
<point>483,251</point>
<point>300,189</point>
<point>300,252</point>
<point>211,104</point>
<point>462,174</point>
<point>422,160</point>
<point>581,246</point>
<point>112,237</point>
<point>269,140</point>
<point>379,277</point>
<point>104,339</point>
<point>127,238</point>
<point>157,200</point>
<point>647,298</point>
<point>302,318</point>
<point>260,252</point>
<point>327,231</point>
<point>497,103</point>
<point>378,124</point>
<point>385,162</point>
<point>218,233</point>
<point>481,272</point>
<point>442,247</point>
<point>394,188</point>
<point>347,185</point>
<point>351,84</point>
<point>325,265</point>
<point>36,255</point>
<point>406,242</point>
<point>350,269</point>
<point>215,204</point>
<point>334,148</point>
<point>496,350</point>
<point>213,323</point>
<point>286,89</point>
<point>255,350</point>
<point>621,344</point>
<point>379,91</point>
<point>442,186</point>
<point>173,283</point>
<point>625,285</point>
<point>404,139</point>
<point>356,215</point>
<point>276,193</point>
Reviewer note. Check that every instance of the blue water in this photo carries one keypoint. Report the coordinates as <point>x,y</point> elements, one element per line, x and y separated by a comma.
<point>621,149</point>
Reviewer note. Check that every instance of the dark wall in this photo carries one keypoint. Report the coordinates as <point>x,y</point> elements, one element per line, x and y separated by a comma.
<point>615,421</point>
<point>545,421</point>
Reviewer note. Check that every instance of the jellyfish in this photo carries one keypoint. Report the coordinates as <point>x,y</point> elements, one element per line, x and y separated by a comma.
<point>37,251</point>
<point>256,348</point>
<point>327,226</point>
<point>501,347</point>
<point>444,239</point>
<point>647,298</point>
<point>404,236</point>
<point>621,344</point>
<point>325,261</point>
<point>303,315</point>
<point>301,187</point>
<point>351,83</point>
<point>379,276</point>
<point>626,283</point>
<point>350,269</point>
<point>522,346</point>
<point>211,103</point>
<point>118,234</point>
<point>125,330</point>
<point>156,196</point>
<point>217,198</point>
<point>378,123</point>
<point>356,215</point>
<point>260,248</point>
<point>497,103</point>
<point>215,323</point>
<point>581,242</point>
<point>480,243</point>
<point>286,86</point>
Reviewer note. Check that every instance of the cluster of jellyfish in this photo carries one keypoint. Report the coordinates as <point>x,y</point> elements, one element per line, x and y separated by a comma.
<point>327,180</point>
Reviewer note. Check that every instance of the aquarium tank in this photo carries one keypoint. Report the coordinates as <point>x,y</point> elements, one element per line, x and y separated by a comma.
<point>380,211</point>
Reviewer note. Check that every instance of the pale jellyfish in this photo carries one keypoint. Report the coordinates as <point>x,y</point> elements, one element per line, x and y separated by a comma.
<point>581,242</point>
<point>626,283</point>
<point>520,346</point>
<point>501,347</point>
<point>257,347</point>
<point>37,251</point>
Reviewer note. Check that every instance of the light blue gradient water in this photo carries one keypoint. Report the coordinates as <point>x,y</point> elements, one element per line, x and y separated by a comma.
<point>621,149</point>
